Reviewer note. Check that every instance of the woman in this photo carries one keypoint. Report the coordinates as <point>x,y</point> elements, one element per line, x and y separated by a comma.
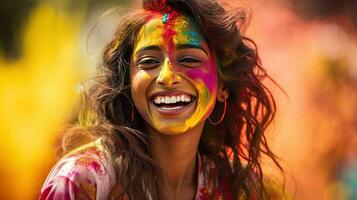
<point>179,111</point>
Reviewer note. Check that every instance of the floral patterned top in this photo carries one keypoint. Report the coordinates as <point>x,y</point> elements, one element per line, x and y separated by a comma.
<point>85,173</point>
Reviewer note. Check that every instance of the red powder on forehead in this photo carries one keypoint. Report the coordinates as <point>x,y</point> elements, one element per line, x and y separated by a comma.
<point>169,32</point>
<point>161,8</point>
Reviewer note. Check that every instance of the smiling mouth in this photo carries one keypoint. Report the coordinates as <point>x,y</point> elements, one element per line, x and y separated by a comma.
<point>172,104</point>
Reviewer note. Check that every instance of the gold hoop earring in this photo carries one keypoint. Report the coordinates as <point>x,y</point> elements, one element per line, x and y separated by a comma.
<point>221,119</point>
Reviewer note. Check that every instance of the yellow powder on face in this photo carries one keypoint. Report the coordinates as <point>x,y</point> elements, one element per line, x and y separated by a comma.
<point>205,104</point>
<point>180,31</point>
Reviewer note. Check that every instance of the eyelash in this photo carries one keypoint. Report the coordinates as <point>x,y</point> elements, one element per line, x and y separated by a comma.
<point>149,62</point>
<point>190,60</point>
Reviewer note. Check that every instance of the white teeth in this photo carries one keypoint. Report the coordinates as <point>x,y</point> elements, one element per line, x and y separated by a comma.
<point>172,99</point>
<point>157,101</point>
<point>172,108</point>
<point>182,98</point>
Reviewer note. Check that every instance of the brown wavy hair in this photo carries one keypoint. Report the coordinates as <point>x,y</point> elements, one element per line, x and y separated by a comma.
<point>109,112</point>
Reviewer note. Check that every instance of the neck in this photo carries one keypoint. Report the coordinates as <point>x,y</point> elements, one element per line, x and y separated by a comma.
<point>176,155</point>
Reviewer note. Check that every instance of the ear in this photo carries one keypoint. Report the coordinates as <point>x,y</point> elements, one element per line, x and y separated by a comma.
<point>222,93</point>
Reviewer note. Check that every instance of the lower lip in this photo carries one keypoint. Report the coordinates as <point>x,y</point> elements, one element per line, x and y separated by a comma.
<point>173,110</point>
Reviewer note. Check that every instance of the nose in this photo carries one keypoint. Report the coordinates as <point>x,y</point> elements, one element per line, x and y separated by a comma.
<point>167,75</point>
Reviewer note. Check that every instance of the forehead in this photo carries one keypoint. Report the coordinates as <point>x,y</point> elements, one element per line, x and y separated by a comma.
<point>160,29</point>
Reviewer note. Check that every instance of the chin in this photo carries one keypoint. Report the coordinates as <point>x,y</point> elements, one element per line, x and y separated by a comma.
<point>177,128</point>
<point>173,130</point>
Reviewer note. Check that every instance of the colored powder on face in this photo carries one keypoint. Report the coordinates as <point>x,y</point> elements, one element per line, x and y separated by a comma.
<point>186,32</point>
<point>166,73</point>
<point>194,38</point>
<point>192,35</point>
<point>169,31</point>
<point>205,103</point>
<point>206,77</point>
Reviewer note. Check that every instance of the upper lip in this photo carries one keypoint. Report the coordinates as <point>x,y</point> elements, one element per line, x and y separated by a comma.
<point>170,93</point>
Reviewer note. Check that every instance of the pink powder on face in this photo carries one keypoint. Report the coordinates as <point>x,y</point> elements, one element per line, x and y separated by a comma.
<point>207,75</point>
<point>207,78</point>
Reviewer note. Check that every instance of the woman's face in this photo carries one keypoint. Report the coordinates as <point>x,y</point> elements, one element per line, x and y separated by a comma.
<point>173,74</point>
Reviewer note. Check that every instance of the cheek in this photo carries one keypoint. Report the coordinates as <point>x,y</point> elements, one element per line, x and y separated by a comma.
<point>205,81</point>
<point>207,75</point>
<point>140,81</point>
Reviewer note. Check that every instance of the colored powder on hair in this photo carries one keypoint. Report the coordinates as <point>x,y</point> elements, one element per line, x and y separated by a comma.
<point>165,18</point>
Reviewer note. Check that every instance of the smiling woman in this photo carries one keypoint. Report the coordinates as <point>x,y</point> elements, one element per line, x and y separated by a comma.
<point>179,112</point>
<point>168,66</point>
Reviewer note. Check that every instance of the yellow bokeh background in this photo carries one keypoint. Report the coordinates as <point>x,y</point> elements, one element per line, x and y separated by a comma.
<point>37,95</point>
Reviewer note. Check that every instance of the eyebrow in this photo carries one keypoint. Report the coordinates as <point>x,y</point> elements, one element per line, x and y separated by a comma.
<point>147,48</point>
<point>179,47</point>
<point>191,46</point>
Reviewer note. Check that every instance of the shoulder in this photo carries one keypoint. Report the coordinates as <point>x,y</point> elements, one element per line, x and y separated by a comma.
<point>83,173</point>
<point>216,181</point>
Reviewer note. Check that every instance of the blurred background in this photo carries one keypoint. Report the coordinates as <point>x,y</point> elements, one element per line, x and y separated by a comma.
<point>309,47</point>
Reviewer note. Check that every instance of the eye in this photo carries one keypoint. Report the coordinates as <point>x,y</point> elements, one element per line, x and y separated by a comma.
<point>190,61</point>
<point>148,62</point>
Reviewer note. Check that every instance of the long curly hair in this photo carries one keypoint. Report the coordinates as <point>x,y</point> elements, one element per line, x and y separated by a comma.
<point>109,112</point>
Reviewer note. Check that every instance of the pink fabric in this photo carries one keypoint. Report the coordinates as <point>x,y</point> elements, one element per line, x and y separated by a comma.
<point>85,173</point>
